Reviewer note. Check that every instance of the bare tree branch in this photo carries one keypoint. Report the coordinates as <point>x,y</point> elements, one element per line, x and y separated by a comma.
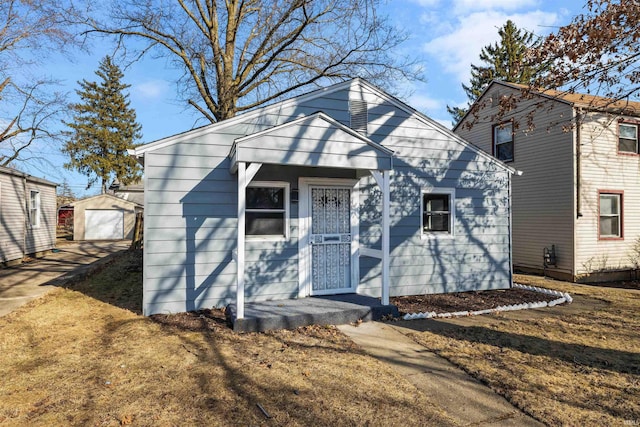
<point>240,54</point>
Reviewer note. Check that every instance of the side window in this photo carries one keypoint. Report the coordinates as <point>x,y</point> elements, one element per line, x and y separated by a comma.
<point>503,142</point>
<point>34,208</point>
<point>267,212</point>
<point>437,207</point>
<point>610,225</point>
<point>628,138</point>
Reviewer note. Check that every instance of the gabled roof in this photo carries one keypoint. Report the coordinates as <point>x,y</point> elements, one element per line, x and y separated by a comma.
<point>315,140</point>
<point>588,102</point>
<point>109,196</point>
<point>215,127</point>
<point>15,172</point>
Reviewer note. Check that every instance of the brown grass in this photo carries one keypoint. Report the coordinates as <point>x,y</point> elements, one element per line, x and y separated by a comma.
<point>70,358</point>
<point>574,365</point>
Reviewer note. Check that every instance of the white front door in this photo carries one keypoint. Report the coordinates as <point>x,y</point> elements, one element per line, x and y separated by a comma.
<point>330,238</point>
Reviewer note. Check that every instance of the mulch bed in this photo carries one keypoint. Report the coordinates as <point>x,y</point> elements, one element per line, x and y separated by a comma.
<point>467,301</point>
<point>215,320</point>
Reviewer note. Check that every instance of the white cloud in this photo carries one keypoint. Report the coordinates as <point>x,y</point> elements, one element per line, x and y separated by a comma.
<point>150,90</point>
<point>456,50</point>
<point>426,3</point>
<point>425,103</point>
<point>466,6</point>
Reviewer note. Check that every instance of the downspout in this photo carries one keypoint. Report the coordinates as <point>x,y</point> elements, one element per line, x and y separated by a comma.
<point>26,216</point>
<point>510,177</point>
<point>510,194</point>
<point>579,116</point>
<point>578,156</point>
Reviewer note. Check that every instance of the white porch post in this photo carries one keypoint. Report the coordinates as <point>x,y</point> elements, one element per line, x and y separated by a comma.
<point>383,182</point>
<point>385,237</point>
<point>242,185</point>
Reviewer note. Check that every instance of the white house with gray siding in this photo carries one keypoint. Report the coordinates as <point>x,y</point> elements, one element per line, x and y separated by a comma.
<point>27,215</point>
<point>580,189</point>
<point>341,190</point>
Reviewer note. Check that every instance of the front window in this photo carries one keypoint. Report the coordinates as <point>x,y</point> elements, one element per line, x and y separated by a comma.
<point>437,213</point>
<point>503,141</point>
<point>267,213</point>
<point>628,138</point>
<point>34,208</point>
<point>610,225</point>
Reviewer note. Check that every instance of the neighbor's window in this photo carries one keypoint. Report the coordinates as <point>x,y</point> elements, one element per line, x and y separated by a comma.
<point>503,141</point>
<point>267,212</point>
<point>437,212</point>
<point>610,207</point>
<point>34,208</point>
<point>628,138</point>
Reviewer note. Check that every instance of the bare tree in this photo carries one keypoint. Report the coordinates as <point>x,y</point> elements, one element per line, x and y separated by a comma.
<point>597,53</point>
<point>29,106</point>
<point>239,54</point>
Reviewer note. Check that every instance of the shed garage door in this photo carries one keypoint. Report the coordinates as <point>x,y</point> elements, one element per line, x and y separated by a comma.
<point>103,224</point>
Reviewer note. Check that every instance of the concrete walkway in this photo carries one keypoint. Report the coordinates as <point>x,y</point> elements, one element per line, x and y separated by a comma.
<point>69,261</point>
<point>464,399</point>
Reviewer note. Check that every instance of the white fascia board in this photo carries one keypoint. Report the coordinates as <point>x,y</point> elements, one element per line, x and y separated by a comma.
<point>161,143</point>
<point>311,117</point>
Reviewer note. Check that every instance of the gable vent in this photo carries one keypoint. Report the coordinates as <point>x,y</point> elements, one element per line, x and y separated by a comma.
<point>359,116</point>
<point>495,98</point>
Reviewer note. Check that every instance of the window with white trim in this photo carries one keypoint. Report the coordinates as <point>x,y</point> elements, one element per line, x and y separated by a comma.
<point>610,216</point>
<point>437,212</point>
<point>628,138</point>
<point>267,210</point>
<point>503,142</point>
<point>34,208</point>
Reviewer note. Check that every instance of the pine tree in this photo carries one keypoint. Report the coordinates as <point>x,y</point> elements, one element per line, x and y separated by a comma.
<point>504,60</point>
<point>104,126</point>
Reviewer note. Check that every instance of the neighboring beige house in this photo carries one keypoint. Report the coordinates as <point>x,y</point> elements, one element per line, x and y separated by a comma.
<point>27,216</point>
<point>104,217</point>
<point>579,196</point>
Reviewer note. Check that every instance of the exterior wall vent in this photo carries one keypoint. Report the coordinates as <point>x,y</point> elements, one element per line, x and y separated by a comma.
<point>359,116</point>
<point>495,98</point>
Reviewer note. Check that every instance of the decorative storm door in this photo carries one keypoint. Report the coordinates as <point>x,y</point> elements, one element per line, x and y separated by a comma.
<point>330,240</point>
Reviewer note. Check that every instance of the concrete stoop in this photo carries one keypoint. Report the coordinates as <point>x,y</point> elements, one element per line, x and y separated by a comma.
<point>293,313</point>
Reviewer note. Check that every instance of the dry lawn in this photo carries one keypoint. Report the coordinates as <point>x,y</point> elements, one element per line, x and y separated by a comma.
<point>76,357</point>
<point>575,365</point>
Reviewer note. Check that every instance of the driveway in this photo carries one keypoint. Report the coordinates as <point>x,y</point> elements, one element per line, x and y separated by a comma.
<point>28,281</point>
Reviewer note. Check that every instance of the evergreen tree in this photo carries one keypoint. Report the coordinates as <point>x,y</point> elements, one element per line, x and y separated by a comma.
<point>104,126</point>
<point>504,60</point>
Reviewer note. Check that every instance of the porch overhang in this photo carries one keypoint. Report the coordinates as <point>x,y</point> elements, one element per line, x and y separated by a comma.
<point>312,141</point>
<point>315,141</point>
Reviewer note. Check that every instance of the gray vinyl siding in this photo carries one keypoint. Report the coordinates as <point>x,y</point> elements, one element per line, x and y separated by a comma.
<point>603,169</point>
<point>426,158</point>
<point>543,197</point>
<point>191,206</point>
<point>17,237</point>
<point>43,237</point>
<point>12,216</point>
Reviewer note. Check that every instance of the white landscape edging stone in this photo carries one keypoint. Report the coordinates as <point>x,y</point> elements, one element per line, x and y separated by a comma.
<point>562,298</point>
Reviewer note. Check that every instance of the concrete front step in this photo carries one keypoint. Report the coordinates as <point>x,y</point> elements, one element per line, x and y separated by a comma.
<point>293,313</point>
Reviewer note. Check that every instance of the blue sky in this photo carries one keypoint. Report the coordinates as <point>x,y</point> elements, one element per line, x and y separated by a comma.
<point>446,35</point>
